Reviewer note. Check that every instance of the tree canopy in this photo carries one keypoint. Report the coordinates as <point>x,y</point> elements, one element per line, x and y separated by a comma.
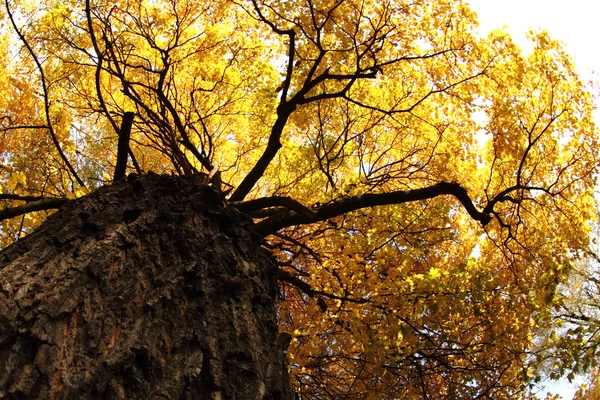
<point>424,190</point>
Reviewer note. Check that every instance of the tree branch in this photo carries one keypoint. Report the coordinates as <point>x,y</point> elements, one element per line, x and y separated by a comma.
<point>284,110</point>
<point>343,206</point>
<point>123,146</point>
<point>11,196</point>
<point>40,205</point>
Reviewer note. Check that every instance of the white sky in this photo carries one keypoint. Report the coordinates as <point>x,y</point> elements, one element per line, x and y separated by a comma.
<point>577,24</point>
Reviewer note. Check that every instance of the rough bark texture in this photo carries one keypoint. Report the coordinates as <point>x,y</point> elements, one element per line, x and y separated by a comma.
<point>145,289</point>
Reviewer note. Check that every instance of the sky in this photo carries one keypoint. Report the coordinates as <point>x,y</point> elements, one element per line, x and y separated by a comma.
<point>576,24</point>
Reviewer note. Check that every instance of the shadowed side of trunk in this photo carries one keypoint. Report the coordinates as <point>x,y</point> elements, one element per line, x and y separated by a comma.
<point>145,289</point>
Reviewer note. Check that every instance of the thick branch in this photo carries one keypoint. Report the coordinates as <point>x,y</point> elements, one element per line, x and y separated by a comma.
<point>11,196</point>
<point>40,205</point>
<point>284,110</point>
<point>123,146</point>
<point>343,206</point>
<point>283,113</point>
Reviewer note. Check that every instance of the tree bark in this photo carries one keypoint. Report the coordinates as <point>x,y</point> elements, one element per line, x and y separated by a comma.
<point>145,289</point>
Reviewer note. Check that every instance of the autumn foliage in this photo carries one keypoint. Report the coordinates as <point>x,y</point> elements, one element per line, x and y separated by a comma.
<point>423,189</point>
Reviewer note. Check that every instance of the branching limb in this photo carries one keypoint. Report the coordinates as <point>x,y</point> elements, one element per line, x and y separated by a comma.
<point>284,110</point>
<point>123,147</point>
<point>40,205</point>
<point>11,196</point>
<point>318,75</point>
<point>343,206</point>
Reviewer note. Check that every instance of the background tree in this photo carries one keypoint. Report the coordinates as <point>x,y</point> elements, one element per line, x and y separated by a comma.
<point>423,190</point>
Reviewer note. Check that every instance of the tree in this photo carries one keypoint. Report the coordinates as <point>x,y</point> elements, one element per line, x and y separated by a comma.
<point>144,289</point>
<point>422,190</point>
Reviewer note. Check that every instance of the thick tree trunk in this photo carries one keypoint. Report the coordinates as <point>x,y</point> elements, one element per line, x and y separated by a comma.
<point>145,289</point>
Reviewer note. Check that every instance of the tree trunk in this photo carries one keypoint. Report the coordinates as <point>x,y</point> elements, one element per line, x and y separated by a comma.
<point>145,289</point>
